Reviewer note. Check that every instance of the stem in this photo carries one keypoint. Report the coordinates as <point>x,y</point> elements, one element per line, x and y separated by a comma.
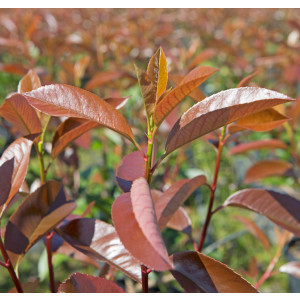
<point>213,189</point>
<point>8,265</point>
<point>49,256</point>
<point>144,279</point>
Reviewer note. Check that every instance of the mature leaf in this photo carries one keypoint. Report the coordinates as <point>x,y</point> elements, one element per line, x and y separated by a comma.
<point>100,241</point>
<point>180,221</point>
<point>133,238</point>
<point>173,198</point>
<point>68,131</point>
<point>280,208</point>
<point>198,273</point>
<point>266,168</point>
<point>264,120</point>
<point>291,268</point>
<point>196,94</point>
<point>189,83</point>
<point>257,145</point>
<point>218,110</point>
<point>147,89</point>
<point>83,283</point>
<point>74,128</point>
<point>255,230</point>
<point>67,101</point>
<point>13,168</point>
<point>158,73</point>
<point>20,114</point>
<point>39,212</point>
<point>29,82</point>
<point>131,168</point>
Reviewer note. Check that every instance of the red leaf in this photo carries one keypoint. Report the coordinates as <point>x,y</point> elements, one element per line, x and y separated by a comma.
<point>218,110</point>
<point>281,209</point>
<point>29,82</point>
<point>83,283</point>
<point>66,101</point>
<point>266,168</point>
<point>257,145</point>
<point>198,273</point>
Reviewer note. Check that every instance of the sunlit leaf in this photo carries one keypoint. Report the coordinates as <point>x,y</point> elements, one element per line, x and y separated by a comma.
<point>266,168</point>
<point>39,212</point>
<point>20,114</point>
<point>189,83</point>
<point>218,110</point>
<point>198,273</point>
<point>83,283</point>
<point>100,241</point>
<point>29,82</point>
<point>68,101</point>
<point>143,224</point>
<point>280,208</point>
<point>13,168</point>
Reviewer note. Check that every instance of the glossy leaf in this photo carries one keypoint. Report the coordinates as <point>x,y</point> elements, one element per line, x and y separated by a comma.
<point>257,145</point>
<point>291,268</point>
<point>39,212</point>
<point>66,101</point>
<point>29,82</point>
<point>266,168</point>
<point>83,283</point>
<point>13,168</point>
<point>198,273</point>
<point>255,230</point>
<point>280,208</point>
<point>100,241</point>
<point>218,110</point>
<point>265,120</point>
<point>196,94</point>
<point>20,114</point>
<point>126,224</point>
<point>174,197</point>
<point>189,83</point>
<point>158,73</point>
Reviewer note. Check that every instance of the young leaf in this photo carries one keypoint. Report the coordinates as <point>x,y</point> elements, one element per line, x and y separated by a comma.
<point>102,78</point>
<point>244,82</point>
<point>174,197</point>
<point>20,114</point>
<point>266,168</point>
<point>196,94</point>
<point>218,110</point>
<point>198,273</point>
<point>39,212</point>
<point>83,283</point>
<point>180,221</point>
<point>255,230</point>
<point>13,168</point>
<point>264,120</point>
<point>158,73</point>
<point>99,241</point>
<point>189,83</point>
<point>280,208</point>
<point>291,268</point>
<point>67,101</point>
<point>147,89</point>
<point>257,145</point>
<point>132,236</point>
<point>29,82</point>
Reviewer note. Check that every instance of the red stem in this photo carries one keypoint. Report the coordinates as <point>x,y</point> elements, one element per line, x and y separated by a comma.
<point>212,191</point>
<point>10,268</point>
<point>50,265</point>
<point>144,278</point>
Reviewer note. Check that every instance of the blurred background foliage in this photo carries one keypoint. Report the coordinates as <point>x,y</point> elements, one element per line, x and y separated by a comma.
<point>57,43</point>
